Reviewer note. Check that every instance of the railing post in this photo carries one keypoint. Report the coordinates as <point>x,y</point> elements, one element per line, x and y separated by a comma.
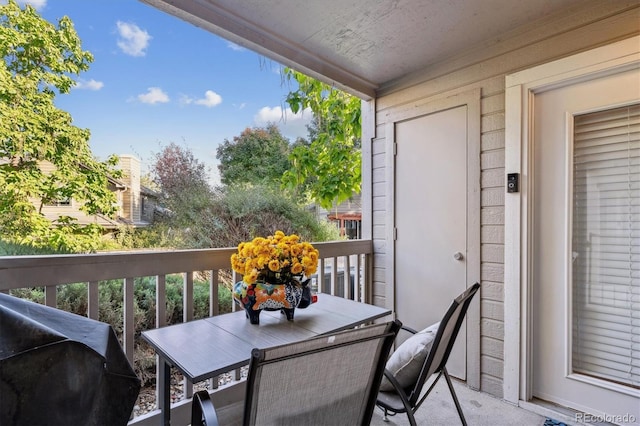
<point>187,315</point>
<point>128,326</point>
<point>93,300</point>
<point>235,277</point>
<point>50,293</point>
<point>368,279</point>
<point>161,300</point>
<point>348,291</point>
<point>334,276</point>
<point>214,296</point>
<point>161,321</point>
<point>320,275</point>
<point>357,279</point>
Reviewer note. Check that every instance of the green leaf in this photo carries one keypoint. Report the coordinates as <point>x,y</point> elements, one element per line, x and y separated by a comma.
<point>39,60</point>
<point>328,169</point>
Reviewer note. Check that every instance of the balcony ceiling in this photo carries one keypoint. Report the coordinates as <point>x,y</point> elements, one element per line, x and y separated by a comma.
<point>363,46</point>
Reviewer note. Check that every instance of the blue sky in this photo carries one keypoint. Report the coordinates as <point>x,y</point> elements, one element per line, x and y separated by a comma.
<point>156,79</point>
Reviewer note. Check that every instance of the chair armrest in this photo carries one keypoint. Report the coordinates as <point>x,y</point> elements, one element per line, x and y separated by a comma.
<point>409,329</point>
<point>203,413</point>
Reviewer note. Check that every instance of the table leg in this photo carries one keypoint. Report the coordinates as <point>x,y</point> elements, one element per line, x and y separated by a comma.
<point>164,390</point>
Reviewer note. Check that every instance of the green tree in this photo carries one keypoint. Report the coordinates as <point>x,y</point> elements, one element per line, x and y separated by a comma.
<point>39,58</point>
<point>203,217</point>
<point>257,156</point>
<point>328,169</point>
<point>183,181</point>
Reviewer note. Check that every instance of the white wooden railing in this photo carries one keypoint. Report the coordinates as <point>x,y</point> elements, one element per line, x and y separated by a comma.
<point>51,271</point>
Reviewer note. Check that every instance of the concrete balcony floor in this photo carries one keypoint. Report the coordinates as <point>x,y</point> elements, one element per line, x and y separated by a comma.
<point>480,409</point>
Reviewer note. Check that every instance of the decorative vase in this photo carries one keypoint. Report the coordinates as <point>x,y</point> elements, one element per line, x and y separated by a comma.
<point>263,295</point>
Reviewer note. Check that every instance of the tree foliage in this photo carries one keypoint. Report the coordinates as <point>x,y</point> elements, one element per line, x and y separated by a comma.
<point>38,61</point>
<point>183,181</point>
<point>243,212</point>
<point>329,168</point>
<point>257,156</point>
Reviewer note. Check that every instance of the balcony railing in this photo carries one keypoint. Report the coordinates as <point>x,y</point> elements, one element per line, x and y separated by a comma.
<point>344,269</point>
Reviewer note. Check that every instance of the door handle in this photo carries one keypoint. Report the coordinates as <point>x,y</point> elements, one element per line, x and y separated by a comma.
<point>458,256</point>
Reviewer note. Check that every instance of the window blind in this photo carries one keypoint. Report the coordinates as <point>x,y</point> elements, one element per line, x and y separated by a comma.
<point>606,245</point>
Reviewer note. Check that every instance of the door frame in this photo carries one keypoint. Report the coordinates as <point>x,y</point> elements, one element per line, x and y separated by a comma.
<point>470,99</point>
<point>521,88</point>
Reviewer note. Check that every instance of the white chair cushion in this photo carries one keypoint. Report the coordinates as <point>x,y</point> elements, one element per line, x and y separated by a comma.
<point>406,361</point>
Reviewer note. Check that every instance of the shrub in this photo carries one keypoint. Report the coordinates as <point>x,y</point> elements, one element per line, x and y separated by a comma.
<point>241,213</point>
<point>74,298</point>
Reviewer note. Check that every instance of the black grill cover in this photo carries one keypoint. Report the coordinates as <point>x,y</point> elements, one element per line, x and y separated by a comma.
<point>58,368</point>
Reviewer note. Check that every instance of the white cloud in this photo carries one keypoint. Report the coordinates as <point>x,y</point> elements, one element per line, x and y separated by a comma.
<point>89,85</point>
<point>235,47</point>
<point>291,125</point>
<point>132,40</point>
<point>185,100</point>
<point>210,99</point>
<point>36,4</point>
<point>154,95</point>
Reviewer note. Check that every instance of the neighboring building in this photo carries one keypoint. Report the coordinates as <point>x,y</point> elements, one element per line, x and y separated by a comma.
<point>139,203</point>
<point>347,216</point>
<point>136,203</point>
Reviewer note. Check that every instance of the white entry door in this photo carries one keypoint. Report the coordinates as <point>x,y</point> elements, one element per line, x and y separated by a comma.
<point>586,247</point>
<point>431,220</point>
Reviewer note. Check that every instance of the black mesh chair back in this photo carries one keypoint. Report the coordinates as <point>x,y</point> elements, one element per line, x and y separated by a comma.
<point>328,380</point>
<point>409,400</point>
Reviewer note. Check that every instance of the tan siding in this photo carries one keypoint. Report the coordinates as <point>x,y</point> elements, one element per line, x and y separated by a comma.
<point>492,328</point>
<point>492,234</point>
<point>379,207</point>
<point>492,253</point>
<point>493,291</point>
<point>53,213</point>
<point>492,197</point>
<point>492,272</point>
<point>491,385</point>
<point>593,24</point>
<point>493,140</point>
<point>492,216</point>
<point>492,178</point>
<point>493,102</point>
<point>378,276</point>
<point>492,347</point>
<point>492,163</point>
<point>378,229</point>
<point>379,218</point>
<point>492,309</point>
<point>379,203</point>
<point>491,366</point>
<point>492,350</point>
<point>492,121</point>
<point>378,175</point>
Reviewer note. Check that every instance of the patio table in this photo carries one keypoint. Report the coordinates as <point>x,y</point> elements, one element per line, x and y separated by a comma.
<point>208,347</point>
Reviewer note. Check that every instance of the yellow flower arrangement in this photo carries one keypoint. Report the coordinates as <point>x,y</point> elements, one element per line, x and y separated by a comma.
<point>279,255</point>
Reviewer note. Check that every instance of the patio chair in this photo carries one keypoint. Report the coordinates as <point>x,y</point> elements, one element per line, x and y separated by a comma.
<point>418,358</point>
<point>332,379</point>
